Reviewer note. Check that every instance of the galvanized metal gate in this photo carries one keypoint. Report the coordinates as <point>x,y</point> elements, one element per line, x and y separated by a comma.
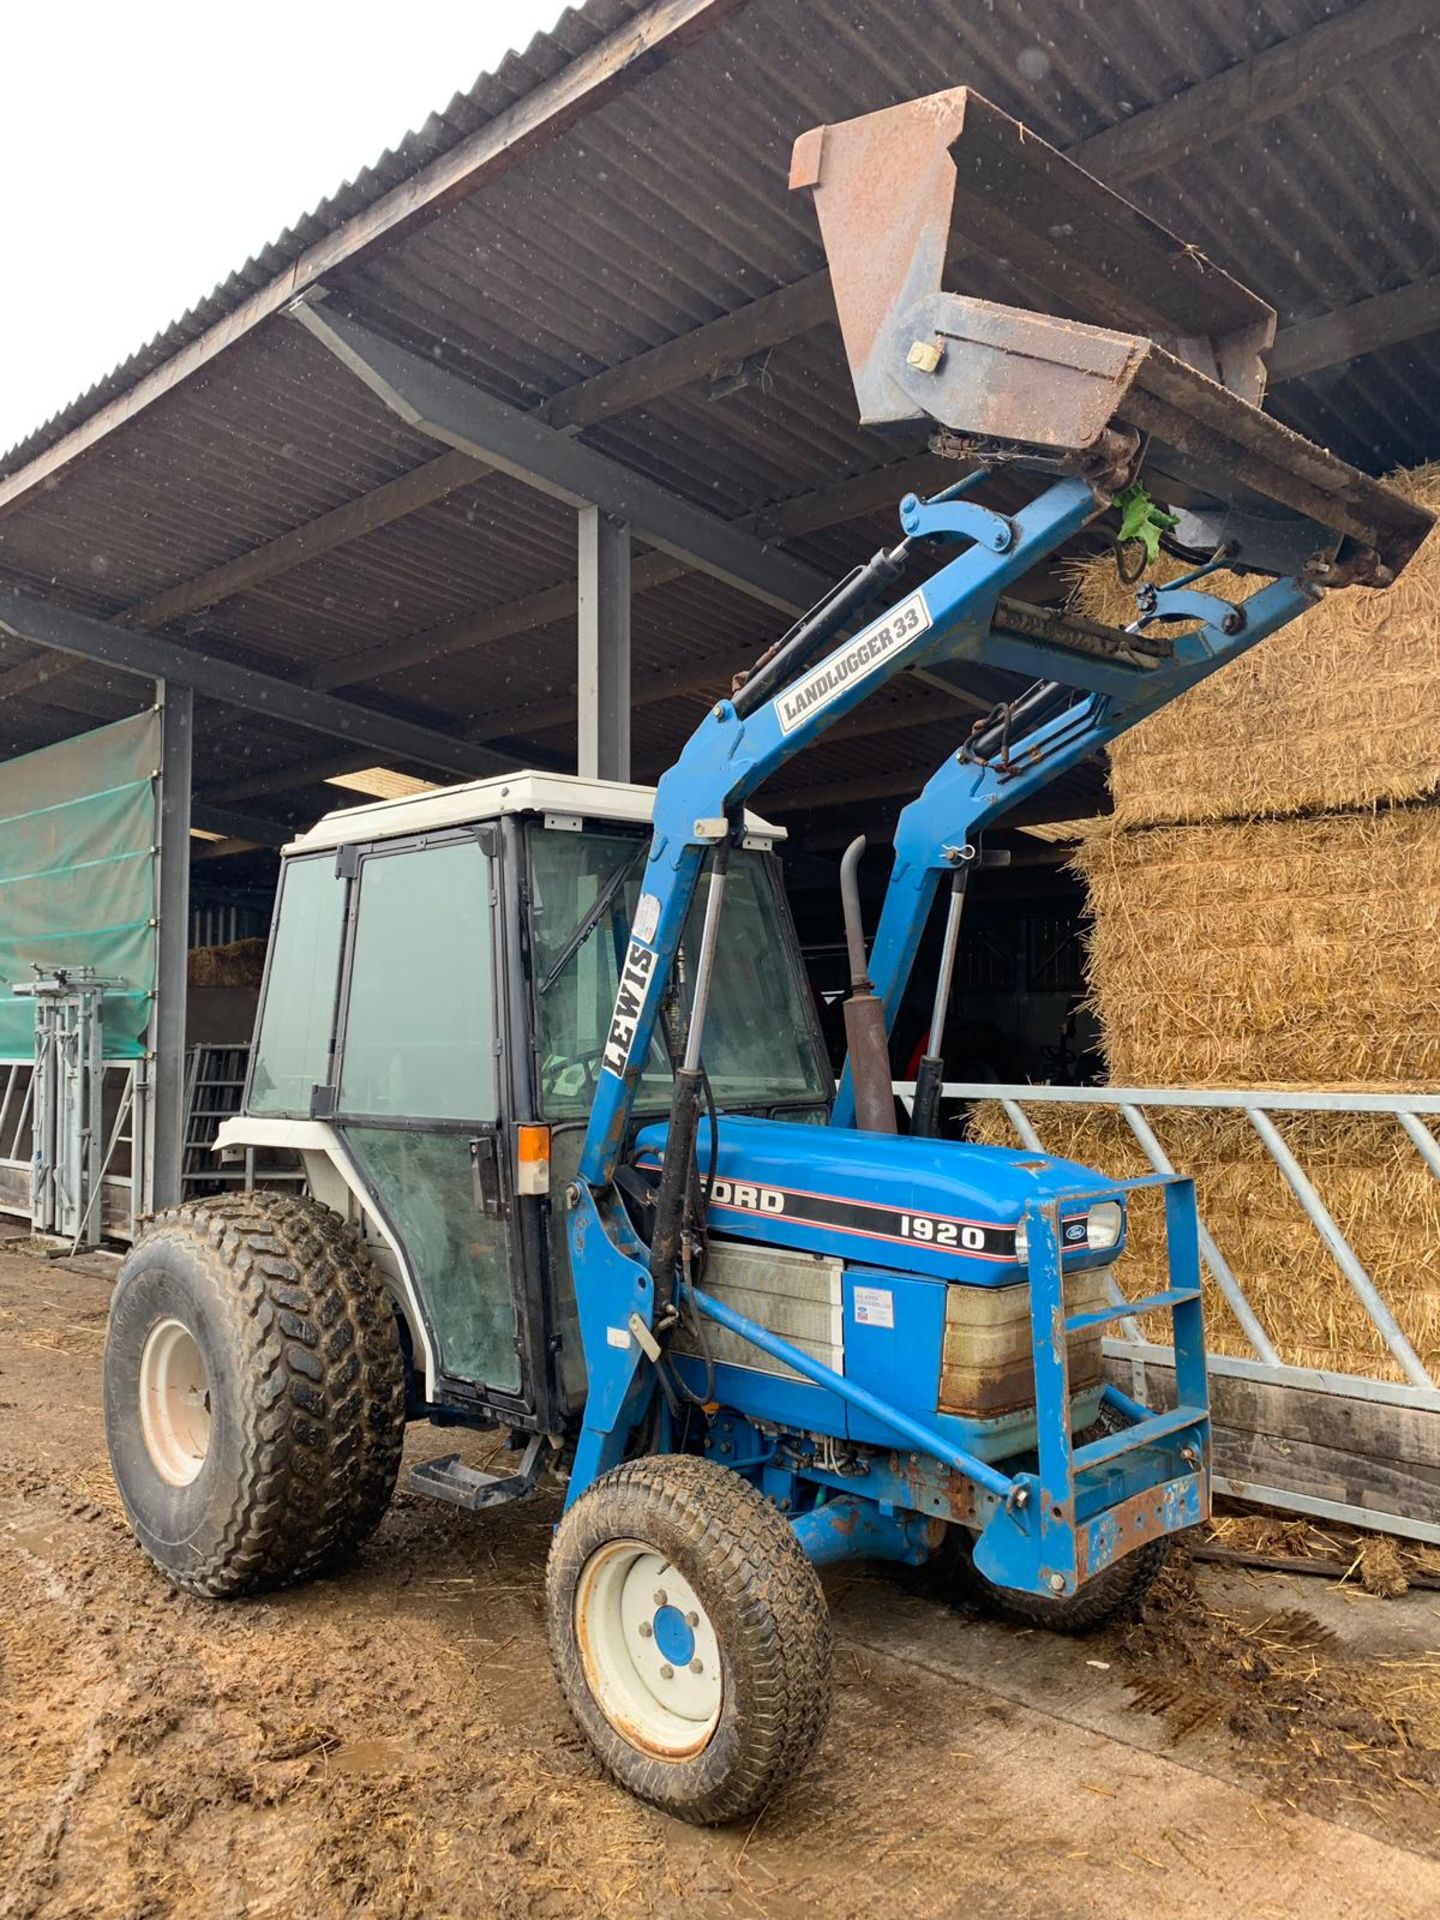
<point>1344,1446</point>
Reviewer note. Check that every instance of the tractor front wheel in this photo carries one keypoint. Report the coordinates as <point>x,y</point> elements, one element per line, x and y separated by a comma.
<point>254,1392</point>
<point>690,1637</point>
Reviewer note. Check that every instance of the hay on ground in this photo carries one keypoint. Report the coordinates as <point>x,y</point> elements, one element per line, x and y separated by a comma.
<point>1340,709</point>
<point>1289,952</point>
<point>1369,1175</point>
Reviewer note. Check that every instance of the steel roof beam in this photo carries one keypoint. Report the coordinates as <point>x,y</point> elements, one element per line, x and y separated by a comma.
<point>1369,326</point>
<point>806,513</point>
<point>440,403</point>
<point>547,110</point>
<point>238,827</point>
<point>45,624</point>
<point>1254,91</point>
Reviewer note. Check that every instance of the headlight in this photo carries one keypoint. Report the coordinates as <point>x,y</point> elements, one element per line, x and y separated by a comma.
<point>1103,1224</point>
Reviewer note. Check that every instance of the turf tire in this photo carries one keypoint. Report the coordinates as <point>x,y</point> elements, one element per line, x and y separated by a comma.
<point>1115,1593</point>
<point>742,1559</point>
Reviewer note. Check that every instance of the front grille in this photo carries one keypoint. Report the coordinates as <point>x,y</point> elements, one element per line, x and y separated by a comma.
<point>797,1295</point>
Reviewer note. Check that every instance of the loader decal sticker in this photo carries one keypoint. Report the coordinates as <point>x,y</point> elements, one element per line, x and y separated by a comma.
<point>852,662</point>
<point>636,979</point>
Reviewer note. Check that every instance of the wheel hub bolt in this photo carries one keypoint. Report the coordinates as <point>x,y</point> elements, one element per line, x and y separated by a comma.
<point>646,1630</point>
<point>659,1597</point>
<point>697,1666</point>
<point>692,1619</point>
<point>667,1672</point>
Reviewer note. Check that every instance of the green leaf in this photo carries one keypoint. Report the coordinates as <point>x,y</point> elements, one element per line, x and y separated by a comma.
<point>1142,520</point>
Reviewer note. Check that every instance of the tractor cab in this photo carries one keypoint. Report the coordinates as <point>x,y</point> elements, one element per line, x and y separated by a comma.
<point>442,987</point>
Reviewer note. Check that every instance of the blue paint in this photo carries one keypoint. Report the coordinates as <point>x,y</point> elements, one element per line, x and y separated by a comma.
<point>771,1175</point>
<point>905,1216</point>
<point>674,1638</point>
<point>851,1529</point>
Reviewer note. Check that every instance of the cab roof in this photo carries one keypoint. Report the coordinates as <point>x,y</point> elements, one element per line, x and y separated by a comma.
<point>566,794</point>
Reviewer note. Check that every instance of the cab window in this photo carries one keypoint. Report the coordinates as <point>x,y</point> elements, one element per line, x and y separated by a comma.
<point>759,1034</point>
<point>292,1049</point>
<point>420,1022</point>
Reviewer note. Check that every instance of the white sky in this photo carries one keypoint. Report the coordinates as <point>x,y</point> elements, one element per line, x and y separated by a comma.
<point>149,147</point>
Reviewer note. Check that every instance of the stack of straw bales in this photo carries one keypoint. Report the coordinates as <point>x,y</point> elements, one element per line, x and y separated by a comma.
<point>1266,901</point>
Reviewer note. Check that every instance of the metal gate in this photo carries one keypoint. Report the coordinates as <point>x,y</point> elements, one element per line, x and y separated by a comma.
<point>1344,1446</point>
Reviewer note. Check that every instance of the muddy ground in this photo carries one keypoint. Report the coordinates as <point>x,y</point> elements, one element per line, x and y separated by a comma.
<point>391,1743</point>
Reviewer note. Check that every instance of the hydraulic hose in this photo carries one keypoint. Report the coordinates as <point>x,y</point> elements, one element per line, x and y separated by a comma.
<point>806,639</point>
<point>844,603</point>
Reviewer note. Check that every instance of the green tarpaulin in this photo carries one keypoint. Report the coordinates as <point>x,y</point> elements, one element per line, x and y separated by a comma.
<point>77,876</point>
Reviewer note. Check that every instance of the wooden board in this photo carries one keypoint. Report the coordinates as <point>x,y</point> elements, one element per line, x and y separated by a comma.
<point>1322,1441</point>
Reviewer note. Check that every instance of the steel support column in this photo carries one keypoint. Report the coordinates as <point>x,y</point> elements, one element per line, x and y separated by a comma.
<point>165,1135</point>
<point>603,669</point>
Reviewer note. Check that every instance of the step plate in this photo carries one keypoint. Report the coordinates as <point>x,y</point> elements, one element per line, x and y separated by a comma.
<point>447,1478</point>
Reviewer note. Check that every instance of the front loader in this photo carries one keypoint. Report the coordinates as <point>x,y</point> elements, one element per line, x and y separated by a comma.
<point>575,1165</point>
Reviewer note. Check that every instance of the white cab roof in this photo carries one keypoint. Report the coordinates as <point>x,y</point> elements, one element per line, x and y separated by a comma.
<point>562,793</point>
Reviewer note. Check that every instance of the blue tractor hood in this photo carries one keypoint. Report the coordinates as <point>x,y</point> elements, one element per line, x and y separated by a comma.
<point>938,1207</point>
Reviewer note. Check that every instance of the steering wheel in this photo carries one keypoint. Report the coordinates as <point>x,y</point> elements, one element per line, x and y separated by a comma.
<point>574,1077</point>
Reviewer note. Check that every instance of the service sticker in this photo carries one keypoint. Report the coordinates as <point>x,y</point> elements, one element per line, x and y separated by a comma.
<point>874,1307</point>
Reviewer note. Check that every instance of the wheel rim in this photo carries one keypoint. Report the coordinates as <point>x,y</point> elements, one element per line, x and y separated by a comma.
<point>174,1402</point>
<point>650,1653</point>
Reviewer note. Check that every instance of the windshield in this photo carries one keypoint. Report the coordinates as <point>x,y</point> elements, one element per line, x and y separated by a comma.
<point>759,1035</point>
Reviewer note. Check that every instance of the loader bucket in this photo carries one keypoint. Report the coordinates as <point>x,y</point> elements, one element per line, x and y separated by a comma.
<point>1127,348</point>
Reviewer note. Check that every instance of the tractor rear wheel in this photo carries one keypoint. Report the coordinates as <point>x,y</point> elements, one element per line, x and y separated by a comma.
<point>690,1637</point>
<point>1113,1594</point>
<point>254,1392</point>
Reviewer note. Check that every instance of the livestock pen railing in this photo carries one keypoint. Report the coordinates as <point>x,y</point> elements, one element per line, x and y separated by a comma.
<point>1336,1442</point>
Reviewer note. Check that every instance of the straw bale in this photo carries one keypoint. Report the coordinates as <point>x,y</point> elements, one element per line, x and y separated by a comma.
<point>1370,1177</point>
<point>1302,952</point>
<point>1340,709</point>
<point>240,964</point>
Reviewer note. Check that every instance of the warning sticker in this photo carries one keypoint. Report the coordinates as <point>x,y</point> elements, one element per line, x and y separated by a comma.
<point>637,977</point>
<point>647,917</point>
<point>874,1307</point>
<point>856,660</point>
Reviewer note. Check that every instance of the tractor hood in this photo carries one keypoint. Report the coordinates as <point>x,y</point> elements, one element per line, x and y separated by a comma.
<point>937,1207</point>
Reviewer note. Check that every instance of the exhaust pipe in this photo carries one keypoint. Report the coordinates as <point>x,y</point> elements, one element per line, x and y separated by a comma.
<point>865,1035</point>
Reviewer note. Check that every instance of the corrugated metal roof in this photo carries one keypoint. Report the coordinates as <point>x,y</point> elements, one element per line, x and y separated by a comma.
<point>658,211</point>
<point>578,29</point>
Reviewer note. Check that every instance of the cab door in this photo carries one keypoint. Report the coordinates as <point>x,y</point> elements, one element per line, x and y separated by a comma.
<point>417,1093</point>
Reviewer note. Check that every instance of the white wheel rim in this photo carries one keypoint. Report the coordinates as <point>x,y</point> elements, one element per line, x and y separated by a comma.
<point>650,1654</point>
<point>174,1402</point>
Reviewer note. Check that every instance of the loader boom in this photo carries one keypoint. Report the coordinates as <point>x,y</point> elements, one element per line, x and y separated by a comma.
<point>974,789</point>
